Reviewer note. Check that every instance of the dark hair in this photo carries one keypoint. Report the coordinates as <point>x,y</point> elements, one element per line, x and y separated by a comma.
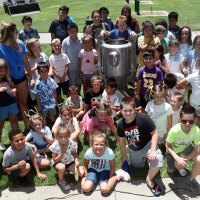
<point>93,12</point>
<point>161,50</point>
<point>188,109</point>
<point>111,82</point>
<point>63,8</point>
<point>148,24</point>
<point>127,100</point>
<point>162,22</point>
<point>174,42</point>
<point>14,132</point>
<point>178,95</point>
<point>170,80</point>
<point>104,9</point>
<point>73,88</point>
<point>173,15</point>
<point>189,40</point>
<point>149,52</point>
<point>42,65</point>
<point>26,18</point>
<point>195,39</point>
<point>72,26</point>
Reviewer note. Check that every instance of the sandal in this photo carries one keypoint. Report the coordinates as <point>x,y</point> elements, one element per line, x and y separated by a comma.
<point>155,189</point>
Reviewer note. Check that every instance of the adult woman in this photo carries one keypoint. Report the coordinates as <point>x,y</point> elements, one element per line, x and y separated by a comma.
<point>14,52</point>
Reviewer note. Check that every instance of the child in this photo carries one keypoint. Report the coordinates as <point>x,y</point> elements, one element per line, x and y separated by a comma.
<point>14,158</point>
<point>110,97</point>
<point>176,102</point>
<point>87,30</point>
<point>175,60</point>
<point>194,56</point>
<point>45,89</point>
<point>160,33</point>
<point>64,154</point>
<point>8,104</point>
<point>71,46</point>
<point>41,135</point>
<point>121,32</point>
<point>28,32</point>
<point>66,119</point>
<point>141,134</point>
<point>160,60</point>
<point>60,65</point>
<point>194,80</point>
<point>148,76</point>
<point>88,59</point>
<point>185,39</point>
<point>172,20</point>
<point>160,111</point>
<point>77,101</point>
<point>183,144</point>
<point>99,165</point>
<point>94,93</point>
<point>99,118</point>
<point>147,41</point>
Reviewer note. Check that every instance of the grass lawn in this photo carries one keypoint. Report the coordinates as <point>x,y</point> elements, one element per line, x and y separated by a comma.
<point>80,10</point>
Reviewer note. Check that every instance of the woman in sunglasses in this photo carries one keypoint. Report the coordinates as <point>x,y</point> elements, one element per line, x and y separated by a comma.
<point>183,145</point>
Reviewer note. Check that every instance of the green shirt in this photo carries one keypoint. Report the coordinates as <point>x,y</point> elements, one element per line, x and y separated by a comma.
<point>181,140</point>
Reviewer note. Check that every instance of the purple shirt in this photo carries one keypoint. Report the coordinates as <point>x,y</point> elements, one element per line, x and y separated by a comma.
<point>149,78</point>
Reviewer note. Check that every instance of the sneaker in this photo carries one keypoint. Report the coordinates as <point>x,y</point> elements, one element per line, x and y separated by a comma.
<point>63,184</point>
<point>182,172</point>
<point>122,175</point>
<point>2,147</point>
<point>195,187</point>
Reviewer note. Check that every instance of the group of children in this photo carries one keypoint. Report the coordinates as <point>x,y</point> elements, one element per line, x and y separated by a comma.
<point>168,63</point>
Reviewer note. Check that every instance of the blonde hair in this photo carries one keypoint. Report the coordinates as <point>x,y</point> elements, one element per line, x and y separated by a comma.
<point>62,128</point>
<point>98,134</point>
<point>54,41</point>
<point>121,19</point>
<point>6,34</point>
<point>158,89</point>
<point>96,78</point>
<point>34,117</point>
<point>30,43</point>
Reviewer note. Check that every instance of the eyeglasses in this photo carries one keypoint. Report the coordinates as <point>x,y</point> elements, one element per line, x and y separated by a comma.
<point>184,121</point>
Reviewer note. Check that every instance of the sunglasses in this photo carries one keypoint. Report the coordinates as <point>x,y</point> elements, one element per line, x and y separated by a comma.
<point>183,121</point>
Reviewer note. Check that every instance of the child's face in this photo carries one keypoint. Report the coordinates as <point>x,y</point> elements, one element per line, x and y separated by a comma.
<point>187,121</point>
<point>88,31</point>
<point>158,98</point>
<point>109,90</point>
<point>184,35</point>
<point>18,142</point>
<point>74,95</point>
<point>197,45</point>
<point>148,32</point>
<point>62,15</point>
<point>125,12</point>
<point>37,125</point>
<point>73,33</point>
<point>96,86</point>
<point>160,36</point>
<point>37,48</point>
<point>56,48</point>
<point>27,24</point>
<point>98,146</point>
<point>172,22</point>
<point>87,43</point>
<point>3,72</point>
<point>63,137</point>
<point>104,15</point>
<point>102,116</point>
<point>43,72</point>
<point>122,26</point>
<point>148,61</point>
<point>96,18</point>
<point>65,116</point>
<point>128,112</point>
<point>175,103</point>
<point>173,49</point>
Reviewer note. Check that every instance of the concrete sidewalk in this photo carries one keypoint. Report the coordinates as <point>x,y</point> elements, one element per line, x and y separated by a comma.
<point>172,189</point>
<point>45,38</point>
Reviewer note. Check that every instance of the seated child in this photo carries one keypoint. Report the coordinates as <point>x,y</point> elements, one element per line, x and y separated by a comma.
<point>28,32</point>
<point>94,170</point>
<point>64,154</point>
<point>66,119</point>
<point>98,118</point>
<point>110,97</point>
<point>77,101</point>
<point>176,102</point>
<point>183,144</point>
<point>122,32</point>
<point>41,135</point>
<point>14,158</point>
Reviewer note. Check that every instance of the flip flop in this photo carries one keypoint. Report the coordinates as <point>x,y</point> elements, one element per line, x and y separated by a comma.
<point>155,189</point>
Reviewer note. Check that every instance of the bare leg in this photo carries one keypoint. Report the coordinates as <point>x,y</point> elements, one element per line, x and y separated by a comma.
<point>61,170</point>
<point>86,186</point>
<point>151,174</point>
<point>105,187</point>
<point>25,170</point>
<point>195,168</point>
<point>1,128</point>
<point>13,121</point>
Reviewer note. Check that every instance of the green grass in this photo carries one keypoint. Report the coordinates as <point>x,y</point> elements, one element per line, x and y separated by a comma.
<point>80,10</point>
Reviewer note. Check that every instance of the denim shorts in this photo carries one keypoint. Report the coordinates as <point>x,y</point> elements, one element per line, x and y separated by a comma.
<point>95,176</point>
<point>7,111</point>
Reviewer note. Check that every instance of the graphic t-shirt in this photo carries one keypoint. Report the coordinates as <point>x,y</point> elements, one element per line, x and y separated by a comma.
<point>138,132</point>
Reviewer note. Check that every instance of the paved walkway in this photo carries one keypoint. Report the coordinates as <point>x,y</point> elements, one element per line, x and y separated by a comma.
<point>173,189</point>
